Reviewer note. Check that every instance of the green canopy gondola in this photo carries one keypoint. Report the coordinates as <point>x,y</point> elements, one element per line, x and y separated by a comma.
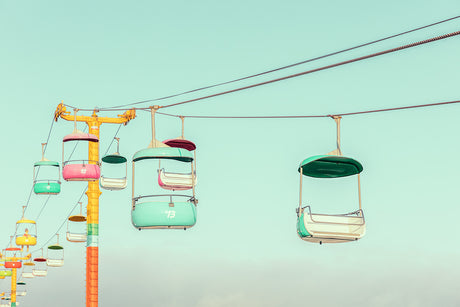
<point>330,228</point>
<point>114,183</point>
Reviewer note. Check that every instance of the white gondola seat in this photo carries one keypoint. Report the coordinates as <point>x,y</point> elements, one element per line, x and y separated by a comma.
<point>331,228</point>
<point>39,272</point>
<point>76,237</point>
<point>176,181</point>
<point>27,275</point>
<point>55,262</point>
<point>114,184</point>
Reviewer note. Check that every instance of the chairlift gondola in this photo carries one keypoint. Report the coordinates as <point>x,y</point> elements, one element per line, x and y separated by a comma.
<point>115,159</point>
<point>46,186</point>
<point>330,228</point>
<point>26,232</point>
<point>40,269</point>
<point>55,254</point>
<point>27,271</point>
<point>148,213</point>
<point>76,231</point>
<point>5,302</point>
<point>21,288</point>
<point>80,169</point>
<point>10,253</point>
<point>179,181</point>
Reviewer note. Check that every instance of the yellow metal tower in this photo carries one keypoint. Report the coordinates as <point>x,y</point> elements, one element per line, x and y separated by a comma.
<point>92,247</point>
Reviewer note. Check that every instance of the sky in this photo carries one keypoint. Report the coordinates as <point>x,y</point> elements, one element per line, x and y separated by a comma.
<point>244,250</point>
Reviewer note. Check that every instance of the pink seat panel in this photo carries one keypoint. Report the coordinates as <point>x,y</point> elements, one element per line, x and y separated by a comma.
<point>81,172</point>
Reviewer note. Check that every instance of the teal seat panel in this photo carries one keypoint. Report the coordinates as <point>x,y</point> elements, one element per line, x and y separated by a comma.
<point>157,214</point>
<point>46,163</point>
<point>301,230</point>
<point>47,188</point>
<point>327,166</point>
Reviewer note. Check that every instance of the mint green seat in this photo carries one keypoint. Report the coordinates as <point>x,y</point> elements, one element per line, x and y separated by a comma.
<point>164,215</point>
<point>301,230</point>
<point>48,186</point>
<point>166,212</point>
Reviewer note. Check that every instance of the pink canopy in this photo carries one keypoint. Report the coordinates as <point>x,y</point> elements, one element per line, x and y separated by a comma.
<point>80,136</point>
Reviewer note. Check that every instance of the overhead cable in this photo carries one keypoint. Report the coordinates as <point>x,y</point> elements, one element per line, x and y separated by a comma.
<point>312,116</point>
<point>430,40</point>
<point>286,66</point>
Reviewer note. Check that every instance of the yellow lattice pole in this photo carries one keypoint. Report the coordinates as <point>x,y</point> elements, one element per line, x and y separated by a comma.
<point>92,247</point>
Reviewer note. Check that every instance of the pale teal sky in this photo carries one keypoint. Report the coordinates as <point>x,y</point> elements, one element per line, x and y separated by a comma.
<point>244,250</point>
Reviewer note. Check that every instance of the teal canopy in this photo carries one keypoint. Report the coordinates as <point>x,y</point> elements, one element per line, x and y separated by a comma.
<point>326,166</point>
<point>114,159</point>
<point>48,163</point>
<point>173,153</point>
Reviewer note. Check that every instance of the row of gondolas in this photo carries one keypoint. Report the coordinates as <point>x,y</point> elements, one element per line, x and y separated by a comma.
<point>171,210</point>
<point>167,210</point>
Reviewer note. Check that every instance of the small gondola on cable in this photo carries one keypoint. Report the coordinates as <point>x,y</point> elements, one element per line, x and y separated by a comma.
<point>166,211</point>
<point>47,176</point>
<point>117,164</point>
<point>330,228</point>
<point>76,227</point>
<point>55,254</point>
<point>79,169</point>
<point>26,232</point>
<point>40,269</point>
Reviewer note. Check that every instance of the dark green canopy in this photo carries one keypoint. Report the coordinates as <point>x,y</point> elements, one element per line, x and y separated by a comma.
<point>114,159</point>
<point>326,166</point>
<point>55,247</point>
<point>173,153</point>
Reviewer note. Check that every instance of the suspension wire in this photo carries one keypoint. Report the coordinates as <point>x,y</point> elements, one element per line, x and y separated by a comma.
<point>32,189</point>
<point>400,108</point>
<point>49,135</point>
<point>320,68</point>
<point>285,67</point>
<point>63,223</point>
<point>44,151</point>
<point>108,148</point>
<point>314,116</point>
<point>43,207</point>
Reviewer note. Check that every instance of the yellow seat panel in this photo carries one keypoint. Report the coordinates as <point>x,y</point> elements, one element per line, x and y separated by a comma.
<point>26,240</point>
